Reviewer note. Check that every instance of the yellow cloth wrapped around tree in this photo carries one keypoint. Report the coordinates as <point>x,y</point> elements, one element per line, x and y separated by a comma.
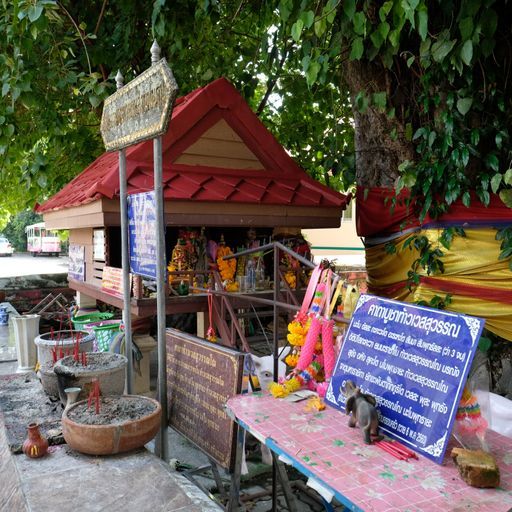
<point>480,284</point>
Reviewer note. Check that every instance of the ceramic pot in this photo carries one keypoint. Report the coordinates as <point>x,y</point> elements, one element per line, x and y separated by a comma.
<point>36,445</point>
<point>108,439</point>
<point>108,368</point>
<point>65,339</point>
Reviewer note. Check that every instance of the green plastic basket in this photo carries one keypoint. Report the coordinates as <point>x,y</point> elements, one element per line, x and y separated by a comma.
<point>104,332</point>
<point>80,322</point>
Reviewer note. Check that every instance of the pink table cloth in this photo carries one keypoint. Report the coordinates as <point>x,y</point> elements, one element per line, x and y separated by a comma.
<point>363,477</point>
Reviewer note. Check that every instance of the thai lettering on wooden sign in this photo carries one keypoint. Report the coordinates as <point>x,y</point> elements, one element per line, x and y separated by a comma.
<point>201,376</point>
<point>141,109</point>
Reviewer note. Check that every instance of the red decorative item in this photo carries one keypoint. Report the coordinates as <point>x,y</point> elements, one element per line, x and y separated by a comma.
<point>36,445</point>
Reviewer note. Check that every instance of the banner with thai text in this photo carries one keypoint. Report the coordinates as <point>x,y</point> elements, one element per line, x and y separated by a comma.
<point>415,361</point>
<point>142,233</point>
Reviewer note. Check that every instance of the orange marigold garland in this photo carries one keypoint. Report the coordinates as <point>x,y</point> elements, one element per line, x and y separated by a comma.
<point>227,268</point>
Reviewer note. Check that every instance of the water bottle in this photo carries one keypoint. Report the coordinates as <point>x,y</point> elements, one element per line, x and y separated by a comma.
<point>260,274</point>
<point>251,275</point>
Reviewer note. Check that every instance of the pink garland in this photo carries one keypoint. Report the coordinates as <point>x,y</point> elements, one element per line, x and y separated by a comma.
<point>328,348</point>
<point>308,349</point>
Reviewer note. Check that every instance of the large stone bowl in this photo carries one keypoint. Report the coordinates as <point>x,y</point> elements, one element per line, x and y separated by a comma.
<point>114,437</point>
<point>65,340</point>
<point>108,368</point>
<point>48,379</point>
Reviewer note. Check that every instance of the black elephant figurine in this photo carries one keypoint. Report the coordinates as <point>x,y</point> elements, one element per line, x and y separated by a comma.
<point>364,412</point>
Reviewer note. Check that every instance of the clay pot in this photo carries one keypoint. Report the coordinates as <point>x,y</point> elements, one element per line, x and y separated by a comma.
<point>108,439</point>
<point>108,368</point>
<point>64,339</point>
<point>36,445</point>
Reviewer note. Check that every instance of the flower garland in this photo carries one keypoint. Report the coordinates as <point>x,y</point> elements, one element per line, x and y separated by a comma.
<point>312,339</point>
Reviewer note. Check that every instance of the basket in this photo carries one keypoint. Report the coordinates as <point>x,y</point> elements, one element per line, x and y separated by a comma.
<point>104,331</point>
<point>80,321</point>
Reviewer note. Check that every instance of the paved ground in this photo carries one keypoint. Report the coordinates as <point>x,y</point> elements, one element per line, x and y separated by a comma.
<point>24,264</point>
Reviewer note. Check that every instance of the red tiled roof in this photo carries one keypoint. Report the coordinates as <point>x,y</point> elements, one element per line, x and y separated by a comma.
<point>281,181</point>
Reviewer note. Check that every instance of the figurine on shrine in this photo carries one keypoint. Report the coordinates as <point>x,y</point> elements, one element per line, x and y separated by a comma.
<point>364,412</point>
<point>178,261</point>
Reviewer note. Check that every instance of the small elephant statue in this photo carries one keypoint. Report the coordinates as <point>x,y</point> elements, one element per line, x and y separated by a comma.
<point>364,413</point>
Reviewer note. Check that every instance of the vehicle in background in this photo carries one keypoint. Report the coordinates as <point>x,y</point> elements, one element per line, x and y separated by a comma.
<point>5,247</point>
<point>41,240</point>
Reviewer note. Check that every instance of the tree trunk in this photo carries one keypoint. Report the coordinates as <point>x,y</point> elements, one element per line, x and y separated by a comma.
<point>378,151</point>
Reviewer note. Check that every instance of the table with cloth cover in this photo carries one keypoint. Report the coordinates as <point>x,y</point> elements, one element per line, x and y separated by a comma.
<point>363,477</point>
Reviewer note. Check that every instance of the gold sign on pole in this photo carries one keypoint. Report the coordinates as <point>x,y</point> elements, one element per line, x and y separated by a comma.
<point>141,109</point>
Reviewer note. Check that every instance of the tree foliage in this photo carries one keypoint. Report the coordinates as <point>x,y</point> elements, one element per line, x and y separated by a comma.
<point>428,80</point>
<point>15,229</point>
<point>59,59</point>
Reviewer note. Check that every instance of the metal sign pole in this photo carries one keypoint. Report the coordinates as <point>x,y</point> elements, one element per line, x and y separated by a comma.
<point>125,261</point>
<point>160,282</point>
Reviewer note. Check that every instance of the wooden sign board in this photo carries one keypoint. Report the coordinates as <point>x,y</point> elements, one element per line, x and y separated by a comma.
<point>201,376</point>
<point>141,109</point>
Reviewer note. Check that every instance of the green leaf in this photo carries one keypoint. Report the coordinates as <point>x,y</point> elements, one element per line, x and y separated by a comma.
<point>410,61</point>
<point>305,63</point>
<point>440,49</point>
<point>492,161</point>
<point>357,49</point>
<point>383,28</point>
<point>408,131</point>
<point>360,23</point>
<point>5,88</point>
<point>464,104</point>
<point>379,99</point>
<point>422,23</point>
<point>361,102</point>
<point>349,8</point>
<point>376,38</point>
<point>507,177</point>
<point>34,12</point>
<point>320,27</point>
<point>466,199</point>
<point>466,27</point>
<point>394,37</point>
<point>308,18</point>
<point>9,130</point>
<point>484,344</point>
<point>285,9</point>
<point>506,197</point>
<point>312,73</point>
<point>385,9</point>
<point>330,10</point>
<point>94,100</point>
<point>505,254</point>
<point>297,30</point>
<point>496,182</point>
<point>466,53</point>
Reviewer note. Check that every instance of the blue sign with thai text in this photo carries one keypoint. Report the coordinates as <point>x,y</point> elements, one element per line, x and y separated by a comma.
<point>415,361</point>
<point>142,233</point>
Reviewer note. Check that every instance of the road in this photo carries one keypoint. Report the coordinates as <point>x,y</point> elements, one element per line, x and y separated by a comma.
<point>24,264</point>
